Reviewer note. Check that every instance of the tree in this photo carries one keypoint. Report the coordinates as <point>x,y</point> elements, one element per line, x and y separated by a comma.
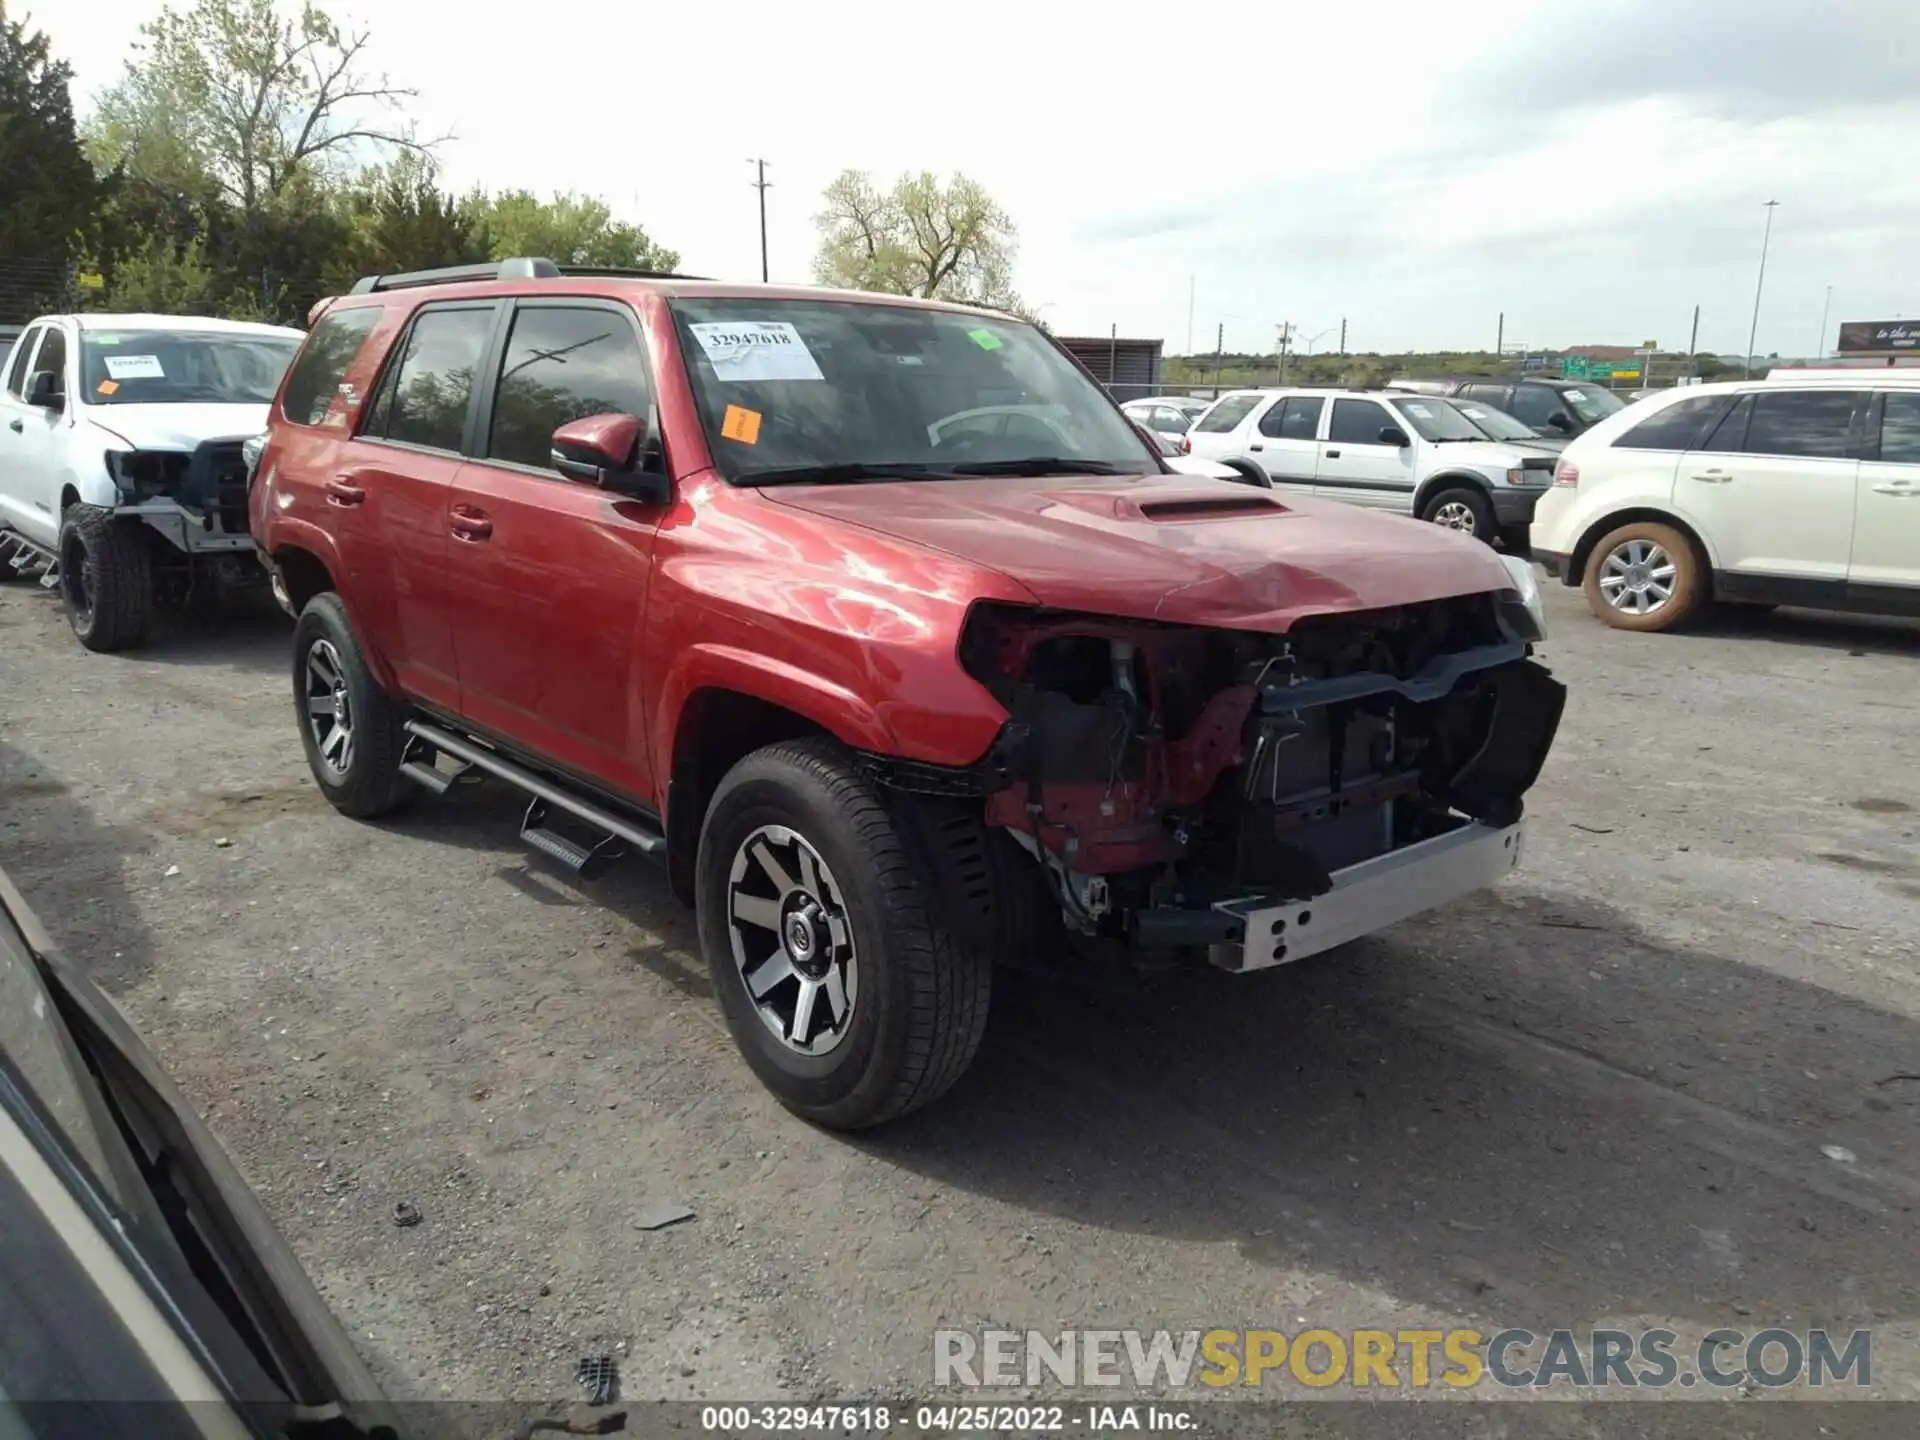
<point>51,191</point>
<point>398,218</point>
<point>239,98</point>
<point>570,229</point>
<point>923,237</point>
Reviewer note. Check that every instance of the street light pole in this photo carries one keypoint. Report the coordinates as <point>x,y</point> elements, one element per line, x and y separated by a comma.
<point>1820,349</point>
<point>761,185</point>
<point>1759,285</point>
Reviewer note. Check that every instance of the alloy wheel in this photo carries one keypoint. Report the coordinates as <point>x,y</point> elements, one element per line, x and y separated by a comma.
<point>787,921</point>
<point>1456,515</point>
<point>329,709</point>
<point>1637,577</point>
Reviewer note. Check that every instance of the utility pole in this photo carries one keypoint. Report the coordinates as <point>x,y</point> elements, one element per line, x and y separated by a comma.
<point>1219,349</point>
<point>1500,336</point>
<point>1758,286</point>
<point>1189,314</point>
<point>1820,348</point>
<point>1113,355</point>
<point>1693,340</point>
<point>761,184</point>
<point>1343,336</point>
<point>1286,336</point>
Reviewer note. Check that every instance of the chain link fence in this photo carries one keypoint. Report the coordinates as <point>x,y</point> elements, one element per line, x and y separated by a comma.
<point>30,288</point>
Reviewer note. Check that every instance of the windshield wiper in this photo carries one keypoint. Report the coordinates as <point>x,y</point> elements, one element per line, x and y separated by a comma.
<point>846,472</point>
<point>1044,465</point>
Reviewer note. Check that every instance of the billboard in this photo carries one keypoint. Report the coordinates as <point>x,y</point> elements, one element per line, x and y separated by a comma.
<point>1859,337</point>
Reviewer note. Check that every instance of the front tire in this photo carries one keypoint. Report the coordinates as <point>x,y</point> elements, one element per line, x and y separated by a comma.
<point>847,988</point>
<point>1645,576</point>
<point>1463,508</point>
<point>106,579</point>
<point>349,726</point>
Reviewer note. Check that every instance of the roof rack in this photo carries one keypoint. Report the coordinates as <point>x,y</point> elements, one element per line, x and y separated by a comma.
<point>522,267</point>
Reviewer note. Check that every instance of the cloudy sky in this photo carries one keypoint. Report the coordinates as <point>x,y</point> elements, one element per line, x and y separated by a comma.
<point>1593,170</point>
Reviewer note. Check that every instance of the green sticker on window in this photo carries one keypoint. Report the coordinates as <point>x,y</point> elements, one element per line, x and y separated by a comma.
<point>985,339</point>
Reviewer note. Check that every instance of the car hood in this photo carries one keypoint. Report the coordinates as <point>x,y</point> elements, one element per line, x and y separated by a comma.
<point>177,427</point>
<point>1166,547</point>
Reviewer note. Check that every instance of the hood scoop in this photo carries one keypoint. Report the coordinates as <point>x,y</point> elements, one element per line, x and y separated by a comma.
<point>1209,507</point>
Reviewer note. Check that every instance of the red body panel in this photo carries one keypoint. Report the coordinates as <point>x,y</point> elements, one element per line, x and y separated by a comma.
<point>579,624</point>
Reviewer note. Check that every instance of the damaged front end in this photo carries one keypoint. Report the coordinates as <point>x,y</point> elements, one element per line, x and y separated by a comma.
<point>1263,797</point>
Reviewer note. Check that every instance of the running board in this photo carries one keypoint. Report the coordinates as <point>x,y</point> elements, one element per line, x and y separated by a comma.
<point>20,555</point>
<point>617,835</point>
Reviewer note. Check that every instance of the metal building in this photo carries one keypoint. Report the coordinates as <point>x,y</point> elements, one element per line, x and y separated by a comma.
<point>1128,368</point>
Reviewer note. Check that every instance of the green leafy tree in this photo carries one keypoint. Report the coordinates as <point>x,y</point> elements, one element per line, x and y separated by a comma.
<point>50,190</point>
<point>398,218</point>
<point>162,278</point>
<point>244,97</point>
<point>923,236</point>
<point>571,229</point>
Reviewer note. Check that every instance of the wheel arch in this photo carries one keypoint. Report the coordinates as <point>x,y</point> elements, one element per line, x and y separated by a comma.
<point>1447,480</point>
<point>304,574</point>
<point>1249,471</point>
<point>716,727</point>
<point>1582,551</point>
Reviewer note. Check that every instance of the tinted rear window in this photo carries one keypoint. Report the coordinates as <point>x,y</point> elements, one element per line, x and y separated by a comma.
<point>1227,414</point>
<point>1678,427</point>
<point>322,364</point>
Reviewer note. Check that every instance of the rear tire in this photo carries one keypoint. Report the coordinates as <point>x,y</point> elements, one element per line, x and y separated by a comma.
<point>810,895</point>
<point>1463,508</point>
<point>106,579</point>
<point>1645,576</point>
<point>354,744</point>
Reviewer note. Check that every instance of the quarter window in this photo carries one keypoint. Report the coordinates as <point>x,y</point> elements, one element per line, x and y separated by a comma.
<point>423,399</point>
<point>562,364</point>
<point>1226,415</point>
<point>1806,424</point>
<point>322,364</point>
<point>1677,427</point>
<point>17,371</point>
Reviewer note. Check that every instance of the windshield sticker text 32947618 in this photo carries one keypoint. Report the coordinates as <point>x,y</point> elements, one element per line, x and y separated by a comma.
<point>756,350</point>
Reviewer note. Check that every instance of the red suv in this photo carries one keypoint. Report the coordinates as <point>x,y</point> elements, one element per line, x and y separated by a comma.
<point>879,625</point>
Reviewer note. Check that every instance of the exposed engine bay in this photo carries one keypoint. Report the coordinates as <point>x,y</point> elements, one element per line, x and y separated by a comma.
<point>1159,773</point>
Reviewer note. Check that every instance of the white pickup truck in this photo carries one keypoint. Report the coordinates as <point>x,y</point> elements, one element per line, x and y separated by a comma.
<point>123,478</point>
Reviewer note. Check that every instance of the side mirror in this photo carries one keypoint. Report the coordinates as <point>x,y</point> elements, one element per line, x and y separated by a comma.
<point>1395,436</point>
<point>603,450</point>
<point>44,391</point>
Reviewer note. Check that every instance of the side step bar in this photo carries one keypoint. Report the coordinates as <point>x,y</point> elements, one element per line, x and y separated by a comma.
<point>617,834</point>
<point>22,556</point>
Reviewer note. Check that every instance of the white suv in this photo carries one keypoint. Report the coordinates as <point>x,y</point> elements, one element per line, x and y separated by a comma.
<point>123,477</point>
<point>1416,454</point>
<point>1799,489</point>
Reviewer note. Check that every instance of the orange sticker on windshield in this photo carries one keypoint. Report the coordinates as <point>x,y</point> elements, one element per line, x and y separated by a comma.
<point>741,424</point>
<point>107,387</point>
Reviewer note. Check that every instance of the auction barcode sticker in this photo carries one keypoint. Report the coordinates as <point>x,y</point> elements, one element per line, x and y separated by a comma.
<point>135,367</point>
<point>757,350</point>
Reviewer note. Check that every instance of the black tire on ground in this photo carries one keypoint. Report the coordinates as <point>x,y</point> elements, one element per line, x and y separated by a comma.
<point>1455,505</point>
<point>106,578</point>
<point>916,988</point>
<point>1251,473</point>
<point>359,772</point>
<point>1664,547</point>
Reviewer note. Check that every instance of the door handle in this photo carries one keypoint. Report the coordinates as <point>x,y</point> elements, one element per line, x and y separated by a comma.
<point>1333,454</point>
<point>1896,487</point>
<point>1256,447</point>
<point>16,426</point>
<point>469,524</point>
<point>340,492</point>
<point>1712,477</point>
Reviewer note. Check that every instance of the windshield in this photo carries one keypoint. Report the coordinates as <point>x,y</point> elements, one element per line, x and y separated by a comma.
<point>182,367</point>
<point>788,389</point>
<point>1437,420</point>
<point>1590,404</point>
<point>1494,424</point>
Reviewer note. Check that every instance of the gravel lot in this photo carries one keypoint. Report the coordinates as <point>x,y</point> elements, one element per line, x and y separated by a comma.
<point>1597,1095</point>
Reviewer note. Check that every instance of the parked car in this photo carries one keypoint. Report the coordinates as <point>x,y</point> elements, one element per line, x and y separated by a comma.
<point>147,1293</point>
<point>1561,408</point>
<point>1171,415</point>
<point>1174,453</point>
<point>1496,424</point>
<point>703,572</point>
<point>122,474</point>
<point>1799,489</point>
<point>1412,453</point>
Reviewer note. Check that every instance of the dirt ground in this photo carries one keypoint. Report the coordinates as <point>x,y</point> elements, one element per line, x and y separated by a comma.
<point>1596,1095</point>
